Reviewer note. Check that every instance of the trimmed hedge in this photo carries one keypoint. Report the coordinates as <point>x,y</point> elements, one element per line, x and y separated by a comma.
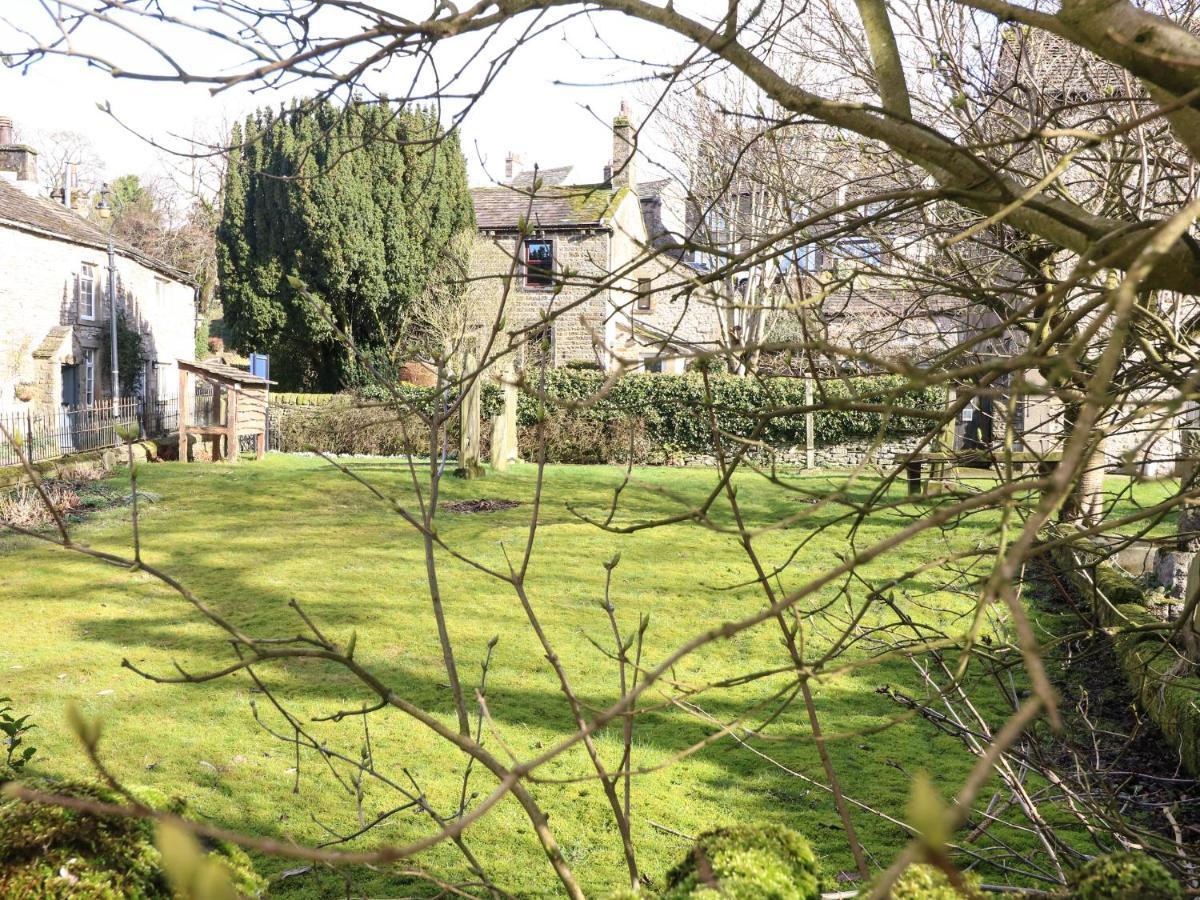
<point>672,408</point>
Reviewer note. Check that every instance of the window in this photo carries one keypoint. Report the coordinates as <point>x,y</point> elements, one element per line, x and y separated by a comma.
<point>808,258</point>
<point>160,289</point>
<point>644,300</point>
<point>87,292</point>
<point>539,264</point>
<point>89,377</point>
<point>865,249</point>
<point>652,364</point>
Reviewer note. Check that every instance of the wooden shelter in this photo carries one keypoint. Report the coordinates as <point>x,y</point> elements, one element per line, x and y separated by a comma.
<point>239,408</point>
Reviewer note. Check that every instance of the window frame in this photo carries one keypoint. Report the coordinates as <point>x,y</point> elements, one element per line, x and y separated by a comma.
<point>545,272</point>
<point>88,270</point>
<point>644,301</point>
<point>807,258</point>
<point>656,361</point>
<point>861,249</point>
<point>89,376</point>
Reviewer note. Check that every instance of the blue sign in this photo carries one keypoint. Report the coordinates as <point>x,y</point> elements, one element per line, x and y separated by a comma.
<point>260,365</point>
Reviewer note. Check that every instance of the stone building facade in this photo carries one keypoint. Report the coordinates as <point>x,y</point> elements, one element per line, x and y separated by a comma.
<point>582,282</point>
<point>55,312</point>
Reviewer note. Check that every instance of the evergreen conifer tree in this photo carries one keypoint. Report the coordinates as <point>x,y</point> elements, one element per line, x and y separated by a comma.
<point>360,202</point>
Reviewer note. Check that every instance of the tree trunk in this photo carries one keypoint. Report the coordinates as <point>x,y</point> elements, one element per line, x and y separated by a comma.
<point>469,425</point>
<point>1085,504</point>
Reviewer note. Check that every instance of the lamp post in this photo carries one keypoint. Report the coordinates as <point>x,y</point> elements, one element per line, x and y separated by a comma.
<point>105,209</point>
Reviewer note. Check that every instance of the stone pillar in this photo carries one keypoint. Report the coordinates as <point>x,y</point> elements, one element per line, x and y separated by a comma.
<point>504,428</point>
<point>469,424</point>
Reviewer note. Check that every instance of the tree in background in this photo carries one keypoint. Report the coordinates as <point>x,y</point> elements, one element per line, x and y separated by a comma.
<point>361,202</point>
<point>175,223</point>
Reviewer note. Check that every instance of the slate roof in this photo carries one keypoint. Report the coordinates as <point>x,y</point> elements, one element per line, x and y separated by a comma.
<point>52,341</point>
<point>1052,64</point>
<point>548,177</point>
<point>554,206</point>
<point>651,190</point>
<point>43,216</point>
<point>222,372</point>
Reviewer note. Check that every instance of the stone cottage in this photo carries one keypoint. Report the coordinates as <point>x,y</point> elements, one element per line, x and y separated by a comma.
<point>55,311</point>
<point>586,253</point>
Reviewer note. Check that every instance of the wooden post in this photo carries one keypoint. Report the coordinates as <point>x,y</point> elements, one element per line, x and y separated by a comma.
<point>217,416</point>
<point>260,445</point>
<point>184,412</point>
<point>940,471</point>
<point>913,470</point>
<point>810,426</point>
<point>504,428</point>
<point>231,424</point>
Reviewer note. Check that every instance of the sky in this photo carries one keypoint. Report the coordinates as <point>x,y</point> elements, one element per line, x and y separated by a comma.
<point>525,110</point>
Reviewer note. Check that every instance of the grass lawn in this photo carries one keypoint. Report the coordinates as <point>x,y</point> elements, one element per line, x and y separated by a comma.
<point>250,538</point>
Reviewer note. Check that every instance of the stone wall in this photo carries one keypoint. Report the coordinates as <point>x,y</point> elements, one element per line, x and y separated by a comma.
<point>580,326</point>
<point>601,293</point>
<point>39,294</point>
<point>847,455</point>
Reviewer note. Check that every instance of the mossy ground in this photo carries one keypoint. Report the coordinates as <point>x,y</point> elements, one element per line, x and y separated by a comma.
<point>250,538</point>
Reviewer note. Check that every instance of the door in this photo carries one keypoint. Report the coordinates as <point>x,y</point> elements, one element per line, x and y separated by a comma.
<point>70,386</point>
<point>977,424</point>
<point>70,403</point>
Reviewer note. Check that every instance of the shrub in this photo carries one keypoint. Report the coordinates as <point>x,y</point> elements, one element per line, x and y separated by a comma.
<point>374,431</point>
<point>50,851</point>
<point>672,407</point>
<point>25,508</point>
<point>13,731</point>
<point>1124,876</point>
<point>747,862</point>
<point>925,882</point>
<point>576,438</point>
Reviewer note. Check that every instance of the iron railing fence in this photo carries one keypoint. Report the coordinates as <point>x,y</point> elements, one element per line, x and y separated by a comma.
<point>43,434</point>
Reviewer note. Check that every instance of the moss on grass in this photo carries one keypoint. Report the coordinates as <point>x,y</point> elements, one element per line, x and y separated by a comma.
<point>1124,876</point>
<point>1150,664</point>
<point>248,539</point>
<point>747,862</point>
<point>52,851</point>
<point>922,881</point>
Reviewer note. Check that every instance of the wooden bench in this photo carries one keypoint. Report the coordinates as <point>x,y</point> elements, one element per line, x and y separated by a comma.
<point>939,461</point>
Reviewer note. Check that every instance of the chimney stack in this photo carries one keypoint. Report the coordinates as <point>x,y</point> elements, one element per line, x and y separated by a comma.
<point>18,162</point>
<point>512,166</point>
<point>623,172</point>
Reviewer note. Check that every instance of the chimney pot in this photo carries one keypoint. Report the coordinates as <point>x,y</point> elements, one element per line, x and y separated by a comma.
<point>18,159</point>
<point>512,166</point>
<point>623,172</point>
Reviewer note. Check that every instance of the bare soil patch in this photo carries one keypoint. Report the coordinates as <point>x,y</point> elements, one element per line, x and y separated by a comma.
<point>479,506</point>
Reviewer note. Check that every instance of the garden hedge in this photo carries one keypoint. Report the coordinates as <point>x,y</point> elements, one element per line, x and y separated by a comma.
<point>670,410</point>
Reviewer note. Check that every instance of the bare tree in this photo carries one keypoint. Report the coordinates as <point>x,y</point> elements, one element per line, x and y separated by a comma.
<point>1039,233</point>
